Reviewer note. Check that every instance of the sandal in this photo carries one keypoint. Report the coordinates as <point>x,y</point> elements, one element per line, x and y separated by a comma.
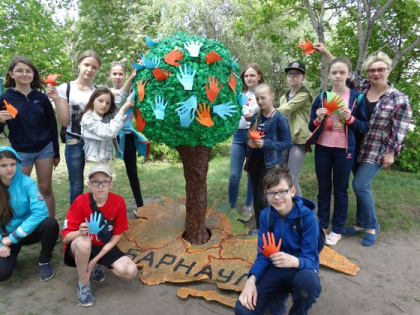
<point>351,231</point>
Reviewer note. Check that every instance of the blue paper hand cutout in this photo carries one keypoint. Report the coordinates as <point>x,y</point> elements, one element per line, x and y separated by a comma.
<point>151,63</point>
<point>193,48</point>
<point>137,66</point>
<point>225,109</point>
<point>95,220</point>
<point>186,112</point>
<point>233,62</point>
<point>150,42</point>
<point>159,107</point>
<point>186,77</point>
<point>242,99</point>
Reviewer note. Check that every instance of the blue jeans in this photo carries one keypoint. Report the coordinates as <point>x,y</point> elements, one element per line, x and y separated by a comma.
<point>333,167</point>
<point>366,213</point>
<point>75,160</point>
<point>304,285</point>
<point>237,158</point>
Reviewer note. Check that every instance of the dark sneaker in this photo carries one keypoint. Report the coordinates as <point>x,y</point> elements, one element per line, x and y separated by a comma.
<point>98,274</point>
<point>46,271</point>
<point>85,295</point>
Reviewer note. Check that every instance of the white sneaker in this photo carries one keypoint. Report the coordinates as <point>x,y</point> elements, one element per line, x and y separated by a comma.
<point>332,238</point>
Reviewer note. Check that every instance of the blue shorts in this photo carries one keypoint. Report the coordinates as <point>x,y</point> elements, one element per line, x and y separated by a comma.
<point>29,158</point>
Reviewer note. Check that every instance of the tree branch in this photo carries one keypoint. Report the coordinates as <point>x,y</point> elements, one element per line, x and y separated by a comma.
<point>404,51</point>
<point>382,10</point>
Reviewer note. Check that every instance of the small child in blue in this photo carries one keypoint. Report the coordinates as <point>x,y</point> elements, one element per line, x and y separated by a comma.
<point>294,269</point>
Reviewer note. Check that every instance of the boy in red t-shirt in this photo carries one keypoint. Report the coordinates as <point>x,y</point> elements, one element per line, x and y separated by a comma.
<point>92,229</point>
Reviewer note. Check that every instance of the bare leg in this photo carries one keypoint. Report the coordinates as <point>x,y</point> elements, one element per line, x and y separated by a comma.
<point>125,268</point>
<point>44,170</point>
<point>80,249</point>
<point>27,170</point>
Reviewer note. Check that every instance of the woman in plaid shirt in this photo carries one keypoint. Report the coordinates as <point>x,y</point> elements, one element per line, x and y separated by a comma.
<point>389,118</point>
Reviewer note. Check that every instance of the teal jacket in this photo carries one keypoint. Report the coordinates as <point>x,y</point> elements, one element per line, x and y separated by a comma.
<point>29,207</point>
<point>142,144</point>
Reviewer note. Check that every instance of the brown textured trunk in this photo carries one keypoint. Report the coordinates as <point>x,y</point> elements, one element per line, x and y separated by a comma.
<point>196,164</point>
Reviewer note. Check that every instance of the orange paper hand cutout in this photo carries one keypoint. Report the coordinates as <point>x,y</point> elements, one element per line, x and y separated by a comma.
<point>203,113</point>
<point>212,57</point>
<point>140,121</point>
<point>11,109</point>
<point>232,82</point>
<point>172,57</point>
<point>333,105</point>
<point>51,79</point>
<point>255,134</point>
<point>270,247</point>
<point>307,47</point>
<point>212,90</point>
<point>160,74</point>
<point>140,89</point>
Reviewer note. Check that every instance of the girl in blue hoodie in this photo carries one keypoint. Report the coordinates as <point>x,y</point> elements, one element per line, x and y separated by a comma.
<point>24,217</point>
<point>33,129</point>
<point>293,269</point>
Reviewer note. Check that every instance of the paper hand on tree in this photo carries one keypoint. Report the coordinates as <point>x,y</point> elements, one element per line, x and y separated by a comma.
<point>204,117</point>
<point>159,107</point>
<point>151,63</point>
<point>173,56</point>
<point>223,110</point>
<point>212,57</point>
<point>140,121</point>
<point>193,48</point>
<point>186,112</point>
<point>232,81</point>
<point>212,90</point>
<point>270,246</point>
<point>150,42</point>
<point>141,90</point>
<point>186,77</point>
<point>94,223</point>
<point>160,74</point>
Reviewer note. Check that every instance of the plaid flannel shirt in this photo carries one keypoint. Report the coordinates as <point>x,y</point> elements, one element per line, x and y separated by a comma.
<point>388,123</point>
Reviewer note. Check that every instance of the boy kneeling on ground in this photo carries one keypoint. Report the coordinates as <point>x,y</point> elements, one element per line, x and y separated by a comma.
<point>92,229</point>
<point>287,259</point>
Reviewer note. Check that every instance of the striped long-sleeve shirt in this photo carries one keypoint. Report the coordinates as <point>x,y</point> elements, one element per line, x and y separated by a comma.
<point>388,123</point>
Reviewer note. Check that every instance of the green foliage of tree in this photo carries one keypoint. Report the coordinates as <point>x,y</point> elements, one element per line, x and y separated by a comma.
<point>27,28</point>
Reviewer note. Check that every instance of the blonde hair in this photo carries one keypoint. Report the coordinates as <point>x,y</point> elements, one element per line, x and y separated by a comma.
<point>379,56</point>
<point>264,86</point>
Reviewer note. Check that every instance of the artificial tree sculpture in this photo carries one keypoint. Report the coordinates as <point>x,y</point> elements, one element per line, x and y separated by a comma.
<point>188,96</point>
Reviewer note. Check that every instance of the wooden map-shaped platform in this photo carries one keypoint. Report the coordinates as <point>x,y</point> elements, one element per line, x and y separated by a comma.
<point>155,243</point>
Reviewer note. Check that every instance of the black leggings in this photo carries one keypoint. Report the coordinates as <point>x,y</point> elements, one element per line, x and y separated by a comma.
<point>130,161</point>
<point>46,232</point>
<point>257,171</point>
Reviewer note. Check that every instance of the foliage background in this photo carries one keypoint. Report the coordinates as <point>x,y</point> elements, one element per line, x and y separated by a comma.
<point>53,33</point>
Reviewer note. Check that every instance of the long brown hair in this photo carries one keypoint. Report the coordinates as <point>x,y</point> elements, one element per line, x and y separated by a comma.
<point>98,92</point>
<point>257,68</point>
<point>6,211</point>
<point>10,82</point>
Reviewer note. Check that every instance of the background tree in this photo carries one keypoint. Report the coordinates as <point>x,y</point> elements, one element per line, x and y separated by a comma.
<point>187,94</point>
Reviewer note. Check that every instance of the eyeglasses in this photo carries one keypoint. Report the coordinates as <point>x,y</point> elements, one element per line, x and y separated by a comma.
<point>96,183</point>
<point>281,193</point>
<point>379,70</point>
<point>21,71</point>
<point>293,74</point>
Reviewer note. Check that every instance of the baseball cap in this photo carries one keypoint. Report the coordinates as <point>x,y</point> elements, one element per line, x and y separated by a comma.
<point>297,66</point>
<point>103,168</point>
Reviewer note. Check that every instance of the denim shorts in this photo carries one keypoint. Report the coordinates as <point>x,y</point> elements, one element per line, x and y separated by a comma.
<point>29,158</point>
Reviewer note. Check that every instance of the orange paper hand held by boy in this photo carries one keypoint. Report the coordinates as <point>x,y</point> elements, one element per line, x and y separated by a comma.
<point>255,134</point>
<point>10,108</point>
<point>270,247</point>
<point>307,47</point>
<point>51,79</point>
<point>204,115</point>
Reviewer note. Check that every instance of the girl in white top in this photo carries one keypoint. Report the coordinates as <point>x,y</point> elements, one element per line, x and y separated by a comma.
<point>98,130</point>
<point>70,100</point>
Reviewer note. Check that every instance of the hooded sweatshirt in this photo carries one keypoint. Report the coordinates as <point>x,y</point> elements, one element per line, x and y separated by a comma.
<point>29,207</point>
<point>34,125</point>
<point>302,245</point>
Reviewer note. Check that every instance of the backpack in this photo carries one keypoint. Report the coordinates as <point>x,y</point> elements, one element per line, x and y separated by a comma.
<point>63,129</point>
<point>299,227</point>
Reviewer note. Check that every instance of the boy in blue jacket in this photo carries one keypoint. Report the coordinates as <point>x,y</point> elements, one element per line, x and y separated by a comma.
<point>293,269</point>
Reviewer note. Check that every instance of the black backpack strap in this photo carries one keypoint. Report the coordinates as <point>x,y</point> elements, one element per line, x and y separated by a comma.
<point>68,93</point>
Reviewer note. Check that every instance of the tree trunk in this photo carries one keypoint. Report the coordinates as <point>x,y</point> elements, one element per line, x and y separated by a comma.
<point>196,164</point>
